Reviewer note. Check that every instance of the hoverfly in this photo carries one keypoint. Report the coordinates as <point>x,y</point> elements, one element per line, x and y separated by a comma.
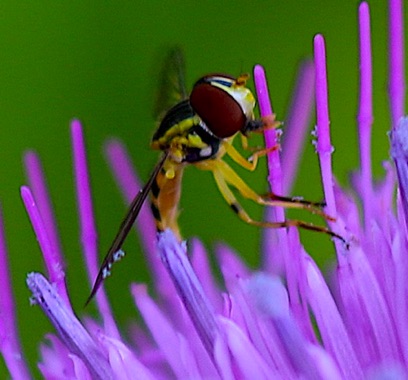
<point>199,130</point>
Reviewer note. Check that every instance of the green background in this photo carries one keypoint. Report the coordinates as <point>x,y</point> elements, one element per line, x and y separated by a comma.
<point>97,61</point>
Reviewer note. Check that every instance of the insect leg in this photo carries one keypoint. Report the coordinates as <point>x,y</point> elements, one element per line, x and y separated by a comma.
<point>259,125</point>
<point>251,166</point>
<point>270,199</point>
<point>251,163</point>
<point>243,215</point>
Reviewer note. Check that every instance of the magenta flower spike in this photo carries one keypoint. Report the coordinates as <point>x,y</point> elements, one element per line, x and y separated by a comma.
<point>273,238</point>
<point>365,113</point>
<point>10,347</point>
<point>37,182</point>
<point>324,148</point>
<point>77,340</point>
<point>87,223</point>
<point>285,320</point>
<point>396,66</point>
<point>38,204</point>
<point>297,124</point>
<point>53,261</point>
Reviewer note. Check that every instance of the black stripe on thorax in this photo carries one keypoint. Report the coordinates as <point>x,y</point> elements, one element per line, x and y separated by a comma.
<point>181,111</point>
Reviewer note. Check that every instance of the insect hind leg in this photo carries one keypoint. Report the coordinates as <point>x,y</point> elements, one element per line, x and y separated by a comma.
<point>270,199</point>
<point>225,176</point>
<point>243,215</point>
<point>308,204</point>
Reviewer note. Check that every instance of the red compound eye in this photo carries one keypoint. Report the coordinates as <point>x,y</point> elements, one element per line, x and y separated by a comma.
<point>220,111</point>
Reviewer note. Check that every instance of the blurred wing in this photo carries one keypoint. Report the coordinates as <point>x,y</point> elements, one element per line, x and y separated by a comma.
<point>172,87</point>
<point>115,253</point>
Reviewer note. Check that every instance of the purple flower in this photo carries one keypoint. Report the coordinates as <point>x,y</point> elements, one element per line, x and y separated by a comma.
<point>283,321</point>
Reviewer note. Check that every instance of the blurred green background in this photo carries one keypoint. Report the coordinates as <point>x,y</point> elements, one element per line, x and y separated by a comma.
<point>97,61</point>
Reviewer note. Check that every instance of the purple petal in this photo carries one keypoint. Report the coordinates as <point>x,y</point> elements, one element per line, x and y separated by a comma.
<point>297,124</point>
<point>244,356</point>
<point>368,311</point>
<point>399,152</point>
<point>324,363</point>
<point>400,298</point>
<point>87,222</point>
<point>347,206</point>
<point>174,258</point>
<point>271,299</point>
<point>201,265</point>
<point>74,335</point>
<point>331,326</point>
<point>275,240</point>
<point>38,185</point>
<point>295,283</point>
<point>323,146</point>
<point>396,73</point>
<point>10,346</point>
<point>51,259</point>
<point>56,359</point>
<point>223,359</point>
<point>168,339</point>
<point>84,199</point>
<point>271,135</point>
<point>231,264</point>
<point>123,362</point>
<point>80,370</point>
<point>365,112</point>
<point>264,339</point>
<point>387,371</point>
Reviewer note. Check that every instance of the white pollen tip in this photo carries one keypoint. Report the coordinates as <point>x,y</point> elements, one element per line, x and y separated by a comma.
<point>106,273</point>
<point>118,255</point>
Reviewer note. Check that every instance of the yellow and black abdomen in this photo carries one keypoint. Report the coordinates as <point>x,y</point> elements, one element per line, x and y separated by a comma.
<point>165,197</point>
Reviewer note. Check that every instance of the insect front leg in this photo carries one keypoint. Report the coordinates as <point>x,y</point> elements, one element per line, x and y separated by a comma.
<point>252,162</point>
<point>259,125</point>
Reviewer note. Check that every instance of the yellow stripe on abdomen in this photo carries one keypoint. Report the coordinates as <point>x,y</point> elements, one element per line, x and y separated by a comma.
<point>166,192</point>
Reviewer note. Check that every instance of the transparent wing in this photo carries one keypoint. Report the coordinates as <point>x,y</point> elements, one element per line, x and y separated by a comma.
<point>115,252</point>
<point>172,87</point>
